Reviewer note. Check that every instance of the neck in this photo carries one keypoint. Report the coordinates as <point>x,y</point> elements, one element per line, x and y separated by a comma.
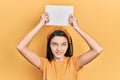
<point>59,59</point>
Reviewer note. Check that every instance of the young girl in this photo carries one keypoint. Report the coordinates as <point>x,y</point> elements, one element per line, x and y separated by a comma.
<point>59,63</point>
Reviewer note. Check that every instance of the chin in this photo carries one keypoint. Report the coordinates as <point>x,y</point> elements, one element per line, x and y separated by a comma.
<point>59,56</point>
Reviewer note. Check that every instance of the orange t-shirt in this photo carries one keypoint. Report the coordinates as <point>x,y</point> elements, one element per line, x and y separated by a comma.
<point>63,70</point>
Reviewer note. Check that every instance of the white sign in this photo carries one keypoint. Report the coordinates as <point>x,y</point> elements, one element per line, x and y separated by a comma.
<point>59,14</point>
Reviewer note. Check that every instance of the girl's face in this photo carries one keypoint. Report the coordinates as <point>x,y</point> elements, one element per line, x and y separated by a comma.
<point>59,45</point>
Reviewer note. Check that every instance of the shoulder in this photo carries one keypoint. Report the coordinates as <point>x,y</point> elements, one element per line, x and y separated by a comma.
<point>74,61</point>
<point>43,62</point>
<point>74,58</point>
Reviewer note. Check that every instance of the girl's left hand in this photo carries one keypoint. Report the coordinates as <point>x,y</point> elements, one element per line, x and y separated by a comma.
<point>72,20</point>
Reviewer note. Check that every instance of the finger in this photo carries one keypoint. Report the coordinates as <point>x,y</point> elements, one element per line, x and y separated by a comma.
<point>71,15</point>
<point>47,20</point>
<point>46,14</point>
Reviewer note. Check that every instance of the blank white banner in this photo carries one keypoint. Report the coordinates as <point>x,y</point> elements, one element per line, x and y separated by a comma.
<point>59,14</point>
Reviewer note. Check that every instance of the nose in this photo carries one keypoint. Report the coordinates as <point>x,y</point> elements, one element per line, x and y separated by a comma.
<point>59,48</point>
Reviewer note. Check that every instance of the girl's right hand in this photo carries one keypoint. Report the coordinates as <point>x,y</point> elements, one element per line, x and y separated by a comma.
<point>44,18</point>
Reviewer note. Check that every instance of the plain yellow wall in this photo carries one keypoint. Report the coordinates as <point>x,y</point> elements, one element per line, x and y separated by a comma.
<point>99,18</point>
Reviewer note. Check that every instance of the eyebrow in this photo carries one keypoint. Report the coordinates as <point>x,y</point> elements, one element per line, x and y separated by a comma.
<point>56,42</point>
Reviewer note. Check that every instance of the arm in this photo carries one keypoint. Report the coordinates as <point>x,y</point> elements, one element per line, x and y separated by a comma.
<point>95,48</point>
<point>24,43</point>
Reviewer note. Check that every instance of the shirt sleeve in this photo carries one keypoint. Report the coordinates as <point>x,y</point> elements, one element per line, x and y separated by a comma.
<point>75,62</point>
<point>43,62</point>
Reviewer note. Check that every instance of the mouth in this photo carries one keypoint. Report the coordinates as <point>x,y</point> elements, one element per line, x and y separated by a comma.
<point>59,53</point>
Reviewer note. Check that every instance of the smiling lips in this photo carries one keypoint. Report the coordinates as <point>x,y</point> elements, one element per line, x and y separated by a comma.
<point>59,53</point>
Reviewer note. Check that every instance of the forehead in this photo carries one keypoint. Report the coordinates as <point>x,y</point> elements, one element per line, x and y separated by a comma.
<point>59,39</point>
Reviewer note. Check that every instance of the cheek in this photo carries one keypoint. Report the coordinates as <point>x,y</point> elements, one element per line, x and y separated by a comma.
<point>52,48</point>
<point>65,48</point>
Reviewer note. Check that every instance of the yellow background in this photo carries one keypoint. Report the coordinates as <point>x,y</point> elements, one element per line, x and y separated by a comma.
<point>99,18</point>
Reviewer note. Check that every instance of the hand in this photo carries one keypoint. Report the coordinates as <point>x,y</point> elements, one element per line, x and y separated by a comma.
<point>73,21</point>
<point>44,18</point>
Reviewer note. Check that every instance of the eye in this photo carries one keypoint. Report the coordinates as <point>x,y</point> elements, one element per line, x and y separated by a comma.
<point>54,44</point>
<point>64,44</point>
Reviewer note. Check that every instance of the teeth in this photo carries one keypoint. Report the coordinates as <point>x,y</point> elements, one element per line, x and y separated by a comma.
<point>58,53</point>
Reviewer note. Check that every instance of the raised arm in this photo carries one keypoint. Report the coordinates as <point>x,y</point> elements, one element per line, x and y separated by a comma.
<point>22,47</point>
<point>95,48</point>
